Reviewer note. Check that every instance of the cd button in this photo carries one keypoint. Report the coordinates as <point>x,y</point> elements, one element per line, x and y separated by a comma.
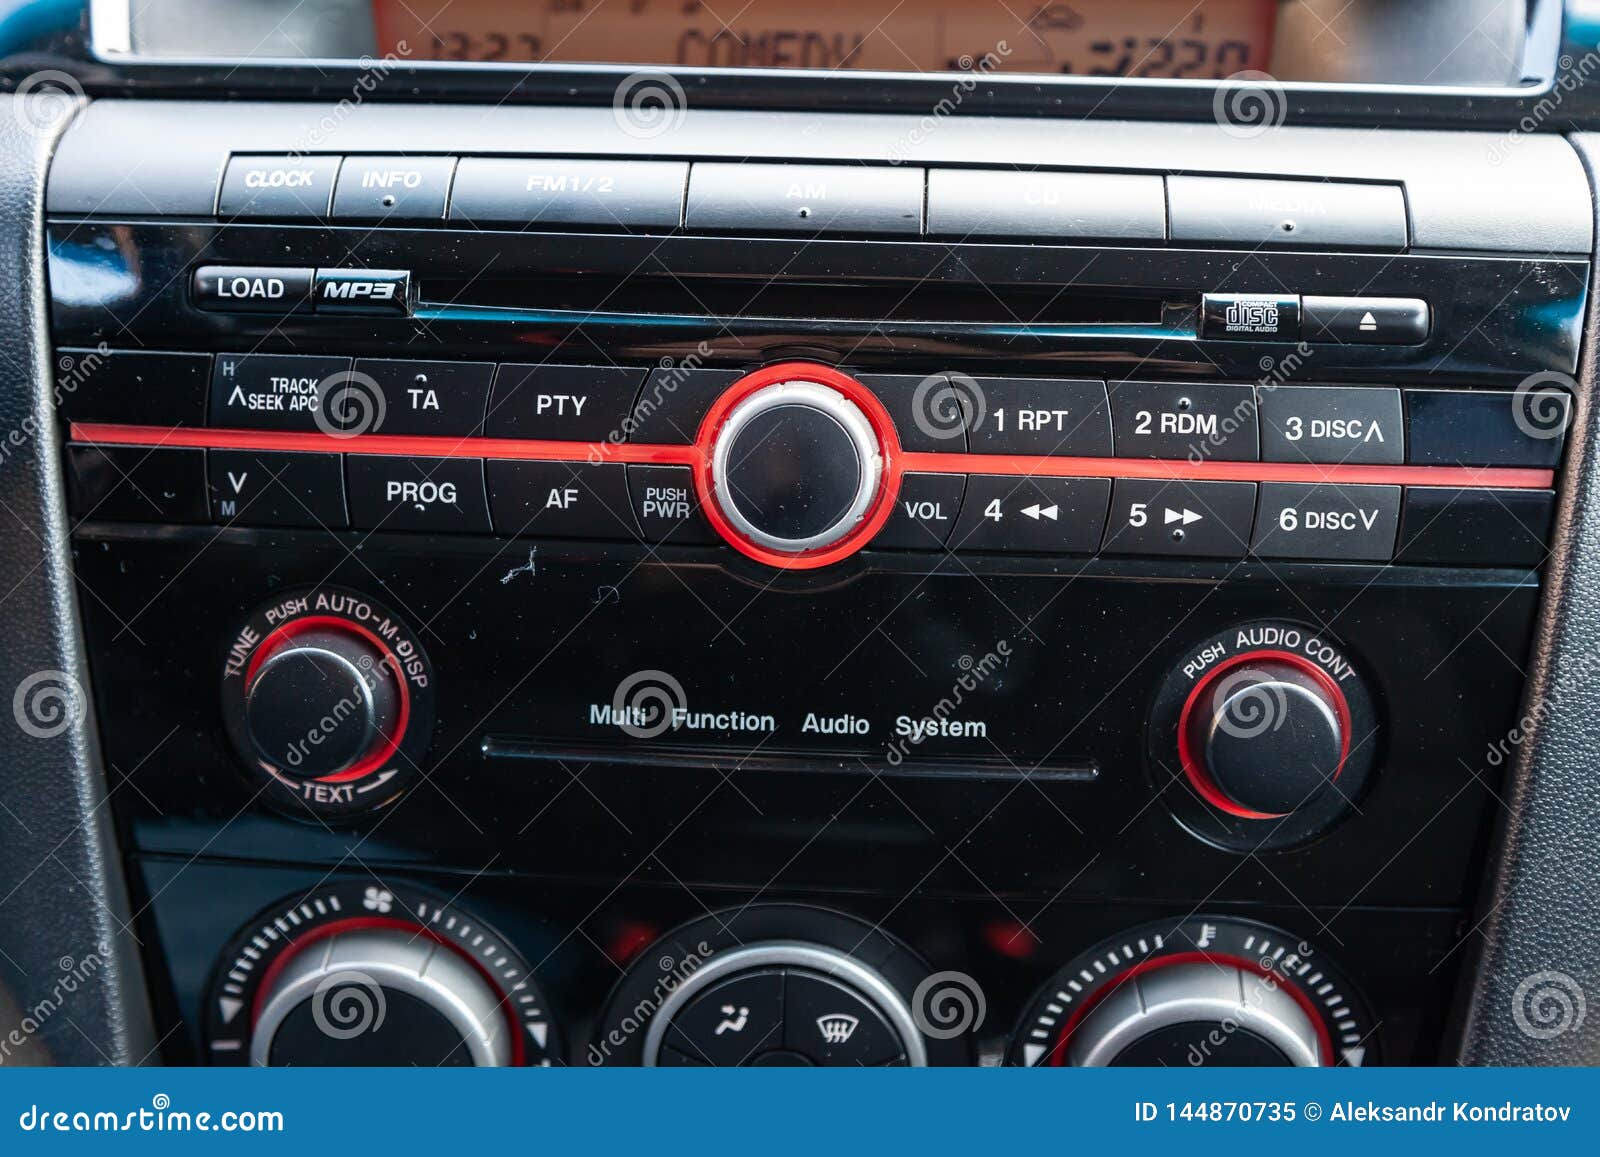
<point>564,403</point>
<point>1331,424</point>
<point>1191,423</point>
<point>431,494</point>
<point>1032,515</point>
<point>809,199</point>
<point>1180,519</point>
<point>1040,416</point>
<point>428,397</point>
<point>924,512</point>
<point>272,391</point>
<point>1322,520</point>
<point>666,507</point>
<point>560,500</point>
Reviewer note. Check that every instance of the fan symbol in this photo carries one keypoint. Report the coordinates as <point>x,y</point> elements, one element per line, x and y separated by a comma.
<point>377,900</point>
<point>837,1027</point>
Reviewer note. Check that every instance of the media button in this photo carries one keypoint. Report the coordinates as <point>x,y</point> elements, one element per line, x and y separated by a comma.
<point>1186,422</point>
<point>1040,416</point>
<point>560,500</point>
<point>268,488</point>
<point>666,507</point>
<point>809,199</point>
<point>272,391</point>
<point>565,403</point>
<point>925,512</point>
<point>1331,424</point>
<point>251,289</point>
<point>393,188</point>
<point>277,186</point>
<point>1176,518</point>
<point>1322,520</point>
<point>401,493</point>
<point>428,397</point>
<point>1005,512</point>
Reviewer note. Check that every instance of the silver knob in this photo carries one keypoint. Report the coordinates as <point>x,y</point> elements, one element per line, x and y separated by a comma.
<point>352,983</point>
<point>1217,999</point>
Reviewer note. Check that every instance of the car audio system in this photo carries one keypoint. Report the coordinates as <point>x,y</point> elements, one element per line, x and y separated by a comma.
<point>806,590</point>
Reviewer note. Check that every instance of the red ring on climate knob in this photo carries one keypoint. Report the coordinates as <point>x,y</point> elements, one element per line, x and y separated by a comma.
<point>383,751</point>
<point>1194,766</point>
<point>878,511</point>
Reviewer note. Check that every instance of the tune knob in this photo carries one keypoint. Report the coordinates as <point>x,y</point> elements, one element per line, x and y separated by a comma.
<point>1267,735</point>
<point>320,702</point>
<point>797,461</point>
<point>380,997</point>
<point>1170,1014</point>
<point>329,695</point>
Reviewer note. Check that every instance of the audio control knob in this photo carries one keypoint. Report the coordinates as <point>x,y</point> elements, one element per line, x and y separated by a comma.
<point>1267,734</point>
<point>797,465</point>
<point>1262,736</point>
<point>329,695</point>
<point>320,702</point>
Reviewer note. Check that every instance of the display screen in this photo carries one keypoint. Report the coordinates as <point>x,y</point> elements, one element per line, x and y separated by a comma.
<point>1145,38</point>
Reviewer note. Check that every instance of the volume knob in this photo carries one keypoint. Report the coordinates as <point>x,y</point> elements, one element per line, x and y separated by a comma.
<point>797,465</point>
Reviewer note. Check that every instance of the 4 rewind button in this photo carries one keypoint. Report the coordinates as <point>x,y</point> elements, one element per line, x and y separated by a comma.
<point>1032,515</point>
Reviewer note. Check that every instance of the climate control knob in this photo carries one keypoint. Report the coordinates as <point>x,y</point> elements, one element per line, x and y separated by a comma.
<point>796,470</point>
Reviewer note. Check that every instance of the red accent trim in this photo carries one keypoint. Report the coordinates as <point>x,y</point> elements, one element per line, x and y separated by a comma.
<point>1058,1051</point>
<point>882,426</point>
<point>1466,477</point>
<point>519,1055</point>
<point>1194,767</point>
<point>379,755</point>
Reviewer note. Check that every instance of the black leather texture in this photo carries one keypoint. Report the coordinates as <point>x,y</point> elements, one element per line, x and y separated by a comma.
<point>71,987</point>
<point>1535,996</point>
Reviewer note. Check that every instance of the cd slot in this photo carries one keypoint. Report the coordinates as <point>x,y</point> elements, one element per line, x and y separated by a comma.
<point>804,300</point>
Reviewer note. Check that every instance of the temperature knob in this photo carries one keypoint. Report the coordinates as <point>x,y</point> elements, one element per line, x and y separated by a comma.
<point>329,695</point>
